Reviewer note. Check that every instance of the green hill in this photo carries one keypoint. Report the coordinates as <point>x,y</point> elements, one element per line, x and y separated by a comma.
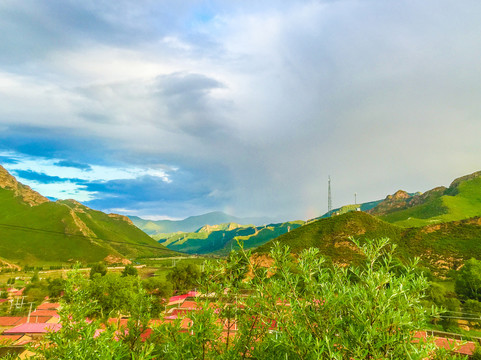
<point>331,235</point>
<point>461,200</point>
<point>441,247</point>
<point>35,230</point>
<point>220,239</point>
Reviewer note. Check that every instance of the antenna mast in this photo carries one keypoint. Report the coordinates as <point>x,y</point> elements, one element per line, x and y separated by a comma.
<point>329,198</point>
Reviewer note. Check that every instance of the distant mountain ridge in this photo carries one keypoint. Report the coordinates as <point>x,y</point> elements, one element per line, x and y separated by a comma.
<point>34,230</point>
<point>193,223</point>
<point>222,238</point>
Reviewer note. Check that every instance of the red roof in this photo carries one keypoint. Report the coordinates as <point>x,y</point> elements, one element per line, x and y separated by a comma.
<point>39,319</point>
<point>16,292</point>
<point>183,297</point>
<point>12,320</point>
<point>178,297</point>
<point>456,346</point>
<point>48,306</point>
<point>459,347</point>
<point>33,328</point>
<point>8,339</point>
<point>189,305</point>
<point>45,313</point>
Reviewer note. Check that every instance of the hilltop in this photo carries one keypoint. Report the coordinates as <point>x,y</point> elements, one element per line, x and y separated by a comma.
<point>34,229</point>
<point>461,200</point>
<point>441,247</point>
<point>192,223</point>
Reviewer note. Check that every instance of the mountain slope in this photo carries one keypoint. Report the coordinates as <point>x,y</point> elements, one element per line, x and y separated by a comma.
<point>441,247</point>
<point>192,223</point>
<point>223,237</point>
<point>331,235</point>
<point>461,200</point>
<point>36,230</point>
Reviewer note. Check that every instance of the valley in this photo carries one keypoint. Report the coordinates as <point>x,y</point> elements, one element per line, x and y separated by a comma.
<point>43,244</point>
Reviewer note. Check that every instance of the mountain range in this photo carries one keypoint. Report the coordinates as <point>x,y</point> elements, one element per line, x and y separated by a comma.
<point>221,239</point>
<point>34,230</point>
<point>193,223</point>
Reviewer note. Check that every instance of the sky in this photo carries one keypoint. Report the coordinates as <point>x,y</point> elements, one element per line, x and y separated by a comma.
<point>167,109</point>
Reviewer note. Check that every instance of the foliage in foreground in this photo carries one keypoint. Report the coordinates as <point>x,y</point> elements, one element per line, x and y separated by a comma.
<point>298,308</point>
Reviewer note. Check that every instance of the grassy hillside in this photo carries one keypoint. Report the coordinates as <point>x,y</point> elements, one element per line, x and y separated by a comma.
<point>461,200</point>
<point>331,235</point>
<point>261,236</point>
<point>34,230</point>
<point>221,238</point>
<point>441,247</point>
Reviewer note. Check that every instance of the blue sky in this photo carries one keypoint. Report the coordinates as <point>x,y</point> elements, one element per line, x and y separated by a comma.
<point>166,109</point>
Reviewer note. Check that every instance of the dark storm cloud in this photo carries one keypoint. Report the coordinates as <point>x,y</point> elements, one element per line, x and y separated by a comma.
<point>188,102</point>
<point>186,192</point>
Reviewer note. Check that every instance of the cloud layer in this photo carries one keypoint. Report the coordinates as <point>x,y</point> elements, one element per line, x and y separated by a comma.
<point>245,107</point>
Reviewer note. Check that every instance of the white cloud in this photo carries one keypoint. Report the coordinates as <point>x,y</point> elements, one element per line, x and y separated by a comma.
<point>61,190</point>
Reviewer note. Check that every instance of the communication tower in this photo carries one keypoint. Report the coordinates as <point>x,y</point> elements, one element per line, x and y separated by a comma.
<point>329,198</point>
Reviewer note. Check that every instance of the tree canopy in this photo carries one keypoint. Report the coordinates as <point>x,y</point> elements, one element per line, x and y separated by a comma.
<point>468,280</point>
<point>296,308</point>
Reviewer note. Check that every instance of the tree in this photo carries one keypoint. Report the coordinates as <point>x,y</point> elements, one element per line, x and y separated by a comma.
<point>114,294</point>
<point>158,287</point>
<point>129,270</point>
<point>35,277</point>
<point>468,281</point>
<point>55,287</point>
<point>98,268</point>
<point>184,277</point>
